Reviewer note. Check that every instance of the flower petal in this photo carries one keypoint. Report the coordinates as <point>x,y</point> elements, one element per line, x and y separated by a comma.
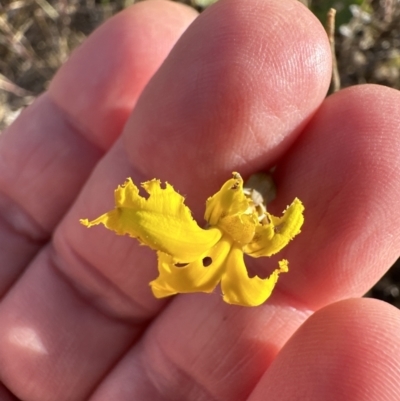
<point>228,201</point>
<point>230,210</point>
<point>199,276</point>
<point>161,221</point>
<point>272,237</point>
<point>239,289</point>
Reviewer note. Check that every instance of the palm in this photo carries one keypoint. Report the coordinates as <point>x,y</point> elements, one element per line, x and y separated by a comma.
<point>78,321</point>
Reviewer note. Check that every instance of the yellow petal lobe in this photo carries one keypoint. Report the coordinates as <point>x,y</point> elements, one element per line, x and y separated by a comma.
<point>275,235</point>
<point>228,201</point>
<point>162,221</point>
<point>202,275</point>
<point>230,210</point>
<point>239,289</point>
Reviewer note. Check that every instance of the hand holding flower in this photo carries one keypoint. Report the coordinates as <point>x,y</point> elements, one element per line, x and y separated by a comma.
<point>160,92</point>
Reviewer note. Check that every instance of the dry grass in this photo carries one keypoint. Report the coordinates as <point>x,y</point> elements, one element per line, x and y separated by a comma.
<point>36,37</point>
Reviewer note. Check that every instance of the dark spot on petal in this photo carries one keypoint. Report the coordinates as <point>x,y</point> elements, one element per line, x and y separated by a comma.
<point>181,264</point>
<point>207,261</point>
<point>265,221</point>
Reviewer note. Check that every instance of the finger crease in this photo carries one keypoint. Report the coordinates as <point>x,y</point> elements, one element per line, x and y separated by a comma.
<point>171,381</point>
<point>104,295</point>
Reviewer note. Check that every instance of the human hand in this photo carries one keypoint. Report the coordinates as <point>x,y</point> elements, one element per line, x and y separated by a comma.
<point>242,90</point>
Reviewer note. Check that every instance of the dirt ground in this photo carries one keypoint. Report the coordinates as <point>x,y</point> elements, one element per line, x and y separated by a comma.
<point>36,37</point>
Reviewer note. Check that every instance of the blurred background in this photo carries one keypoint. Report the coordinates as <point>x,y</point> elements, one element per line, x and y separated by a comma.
<point>36,37</point>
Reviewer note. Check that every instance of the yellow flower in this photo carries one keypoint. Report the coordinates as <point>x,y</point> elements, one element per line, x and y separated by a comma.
<point>193,259</point>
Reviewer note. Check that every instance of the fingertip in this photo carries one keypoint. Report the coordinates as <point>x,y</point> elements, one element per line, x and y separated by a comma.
<point>232,95</point>
<point>345,351</point>
<point>346,170</point>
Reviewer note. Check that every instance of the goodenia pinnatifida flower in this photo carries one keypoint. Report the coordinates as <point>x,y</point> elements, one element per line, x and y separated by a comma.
<point>195,259</point>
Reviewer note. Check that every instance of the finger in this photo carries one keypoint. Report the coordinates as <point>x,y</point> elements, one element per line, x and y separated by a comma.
<point>345,169</point>
<point>45,325</point>
<point>199,348</point>
<point>346,351</point>
<point>51,149</point>
<point>240,107</point>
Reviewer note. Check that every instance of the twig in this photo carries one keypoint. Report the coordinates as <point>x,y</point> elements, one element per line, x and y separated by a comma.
<point>7,85</point>
<point>330,30</point>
